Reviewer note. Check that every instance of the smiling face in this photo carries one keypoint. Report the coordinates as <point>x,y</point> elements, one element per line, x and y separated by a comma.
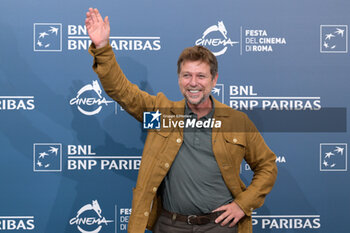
<point>196,82</point>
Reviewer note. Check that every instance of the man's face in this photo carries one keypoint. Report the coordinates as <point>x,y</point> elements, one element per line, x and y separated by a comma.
<point>196,81</point>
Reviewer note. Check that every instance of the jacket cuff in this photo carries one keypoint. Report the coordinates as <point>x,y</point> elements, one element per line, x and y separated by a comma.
<point>246,209</point>
<point>106,50</point>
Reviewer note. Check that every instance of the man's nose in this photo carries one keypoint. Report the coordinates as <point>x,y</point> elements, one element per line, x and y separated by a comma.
<point>193,81</point>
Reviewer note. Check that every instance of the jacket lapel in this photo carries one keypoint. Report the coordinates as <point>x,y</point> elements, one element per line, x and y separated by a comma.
<point>221,113</point>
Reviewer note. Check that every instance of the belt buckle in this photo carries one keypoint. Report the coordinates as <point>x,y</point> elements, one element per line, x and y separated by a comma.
<point>189,217</point>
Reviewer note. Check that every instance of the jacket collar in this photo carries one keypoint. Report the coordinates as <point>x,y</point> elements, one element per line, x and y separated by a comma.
<point>178,107</point>
<point>221,110</point>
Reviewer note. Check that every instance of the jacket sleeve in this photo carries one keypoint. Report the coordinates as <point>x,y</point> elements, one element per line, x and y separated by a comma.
<point>262,161</point>
<point>117,86</point>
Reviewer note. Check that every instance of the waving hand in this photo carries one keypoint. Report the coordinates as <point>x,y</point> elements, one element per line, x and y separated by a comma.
<point>98,29</point>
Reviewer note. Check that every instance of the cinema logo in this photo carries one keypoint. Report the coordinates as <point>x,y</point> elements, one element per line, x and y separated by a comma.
<point>78,39</point>
<point>245,98</point>
<point>89,100</point>
<point>14,103</point>
<point>89,218</point>
<point>17,223</point>
<point>285,222</point>
<point>255,40</point>
<point>215,38</point>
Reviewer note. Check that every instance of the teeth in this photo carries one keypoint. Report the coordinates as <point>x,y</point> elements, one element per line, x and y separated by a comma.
<point>192,91</point>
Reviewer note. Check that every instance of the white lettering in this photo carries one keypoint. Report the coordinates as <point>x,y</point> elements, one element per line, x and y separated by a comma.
<point>242,90</point>
<point>289,223</point>
<point>258,48</point>
<point>131,164</point>
<point>17,224</point>
<point>255,33</point>
<point>125,211</point>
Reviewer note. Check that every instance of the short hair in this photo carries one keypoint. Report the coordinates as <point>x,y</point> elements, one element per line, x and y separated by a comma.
<point>198,53</point>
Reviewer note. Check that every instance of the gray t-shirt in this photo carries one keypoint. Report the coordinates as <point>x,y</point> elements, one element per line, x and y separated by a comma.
<point>194,184</point>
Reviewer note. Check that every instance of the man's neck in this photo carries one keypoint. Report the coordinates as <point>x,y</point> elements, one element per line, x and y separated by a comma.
<point>201,109</point>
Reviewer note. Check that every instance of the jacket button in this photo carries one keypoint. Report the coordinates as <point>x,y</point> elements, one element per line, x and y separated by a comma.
<point>154,189</point>
<point>251,209</point>
<point>146,214</point>
<point>166,165</point>
<point>235,140</point>
<point>178,140</point>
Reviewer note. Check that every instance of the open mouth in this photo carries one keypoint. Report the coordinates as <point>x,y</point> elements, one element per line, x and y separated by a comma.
<point>194,93</point>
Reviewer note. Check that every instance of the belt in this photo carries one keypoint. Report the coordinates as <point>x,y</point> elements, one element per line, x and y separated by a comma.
<point>192,219</point>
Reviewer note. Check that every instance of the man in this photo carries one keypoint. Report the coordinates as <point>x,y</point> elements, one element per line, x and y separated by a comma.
<point>189,178</point>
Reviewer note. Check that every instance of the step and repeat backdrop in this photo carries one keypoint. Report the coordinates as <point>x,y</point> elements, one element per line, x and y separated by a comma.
<point>70,155</point>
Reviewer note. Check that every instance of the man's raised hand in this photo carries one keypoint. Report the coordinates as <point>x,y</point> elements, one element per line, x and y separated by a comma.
<point>98,29</point>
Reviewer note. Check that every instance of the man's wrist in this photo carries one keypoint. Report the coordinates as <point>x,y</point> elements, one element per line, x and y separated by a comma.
<point>101,45</point>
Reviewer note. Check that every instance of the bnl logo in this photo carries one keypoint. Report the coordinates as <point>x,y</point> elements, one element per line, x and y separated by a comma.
<point>333,157</point>
<point>218,92</point>
<point>334,38</point>
<point>151,120</point>
<point>47,37</point>
<point>47,157</point>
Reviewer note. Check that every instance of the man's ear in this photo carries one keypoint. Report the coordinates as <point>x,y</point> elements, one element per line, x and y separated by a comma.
<point>215,79</point>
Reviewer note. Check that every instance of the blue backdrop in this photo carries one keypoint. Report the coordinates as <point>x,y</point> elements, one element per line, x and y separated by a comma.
<point>70,156</point>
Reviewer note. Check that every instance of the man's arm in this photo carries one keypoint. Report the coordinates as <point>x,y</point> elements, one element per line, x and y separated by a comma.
<point>112,78</point>
<point>262,162</point>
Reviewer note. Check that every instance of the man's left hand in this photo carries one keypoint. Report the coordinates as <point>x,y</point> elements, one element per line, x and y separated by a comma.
<point>232,211</point>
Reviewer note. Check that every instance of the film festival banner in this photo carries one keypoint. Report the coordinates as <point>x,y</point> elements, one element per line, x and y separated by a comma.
<point>71,155</point>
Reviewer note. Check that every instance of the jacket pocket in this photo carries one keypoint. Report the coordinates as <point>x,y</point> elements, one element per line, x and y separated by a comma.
<point>163,132</point>
<point>161,141</point>
<point>235,145</point>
